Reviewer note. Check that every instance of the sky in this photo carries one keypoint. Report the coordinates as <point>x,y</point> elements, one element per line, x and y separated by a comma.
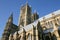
<point>43,7</point>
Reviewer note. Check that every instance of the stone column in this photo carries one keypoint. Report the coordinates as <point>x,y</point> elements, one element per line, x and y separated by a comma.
<point>34,33</point>
<point>38,31</point>
<point>17,35</point>
<point>24,34</point>
<point>37,38</point>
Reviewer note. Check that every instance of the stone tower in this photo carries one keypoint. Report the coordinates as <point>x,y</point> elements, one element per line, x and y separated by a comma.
<point>35,16</point>
<point>25,15</point>
<point>9,28</point>
<point>6,33</point>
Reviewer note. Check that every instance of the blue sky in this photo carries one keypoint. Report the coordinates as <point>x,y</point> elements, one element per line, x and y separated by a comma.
<point>43,7</point>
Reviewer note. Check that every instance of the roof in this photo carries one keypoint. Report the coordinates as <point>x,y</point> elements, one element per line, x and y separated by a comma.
<point>30,26</point>
<point>49,15</point>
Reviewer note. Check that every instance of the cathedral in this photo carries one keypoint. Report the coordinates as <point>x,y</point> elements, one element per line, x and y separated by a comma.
<point>31,27</point>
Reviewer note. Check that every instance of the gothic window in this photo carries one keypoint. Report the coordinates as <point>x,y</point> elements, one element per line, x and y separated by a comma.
<point>21,38</point>
<point>50,24</point>
<point>46,25</point>
<point>58,21</point>
<point>29,37</point>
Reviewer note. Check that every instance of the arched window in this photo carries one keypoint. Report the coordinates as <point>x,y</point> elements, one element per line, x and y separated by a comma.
<point>58,21</point>
<point>50,24</point>
<point>47,25</point>
<point>29,37</point>
<point>20,38</point>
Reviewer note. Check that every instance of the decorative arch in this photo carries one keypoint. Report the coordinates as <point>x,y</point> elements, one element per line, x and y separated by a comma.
<point>49,24</point>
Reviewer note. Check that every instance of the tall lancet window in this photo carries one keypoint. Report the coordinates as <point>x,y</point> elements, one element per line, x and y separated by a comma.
<point>58,21</point>
<point>20,38</point>
<point>46,24</point>
<point>50,24</point>
<point>29,37</point>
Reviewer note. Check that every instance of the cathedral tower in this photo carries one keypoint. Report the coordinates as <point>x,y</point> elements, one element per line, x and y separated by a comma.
<point>35,16</point>
<point>25,15</point>
<point>6,33</point>
<point>9,28</point>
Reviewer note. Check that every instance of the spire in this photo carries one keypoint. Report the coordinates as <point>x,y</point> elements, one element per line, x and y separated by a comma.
<point>35,11</point>
<point>11,18</point>
<point>27,4</point>
<point>26,1</point>
<point>38,24</point>
<point>35,16</point>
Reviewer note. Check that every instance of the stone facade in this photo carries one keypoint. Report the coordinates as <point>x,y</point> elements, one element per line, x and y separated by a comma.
<point>25,15</point>
<point>31,27</point>
<point>9,28</point>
